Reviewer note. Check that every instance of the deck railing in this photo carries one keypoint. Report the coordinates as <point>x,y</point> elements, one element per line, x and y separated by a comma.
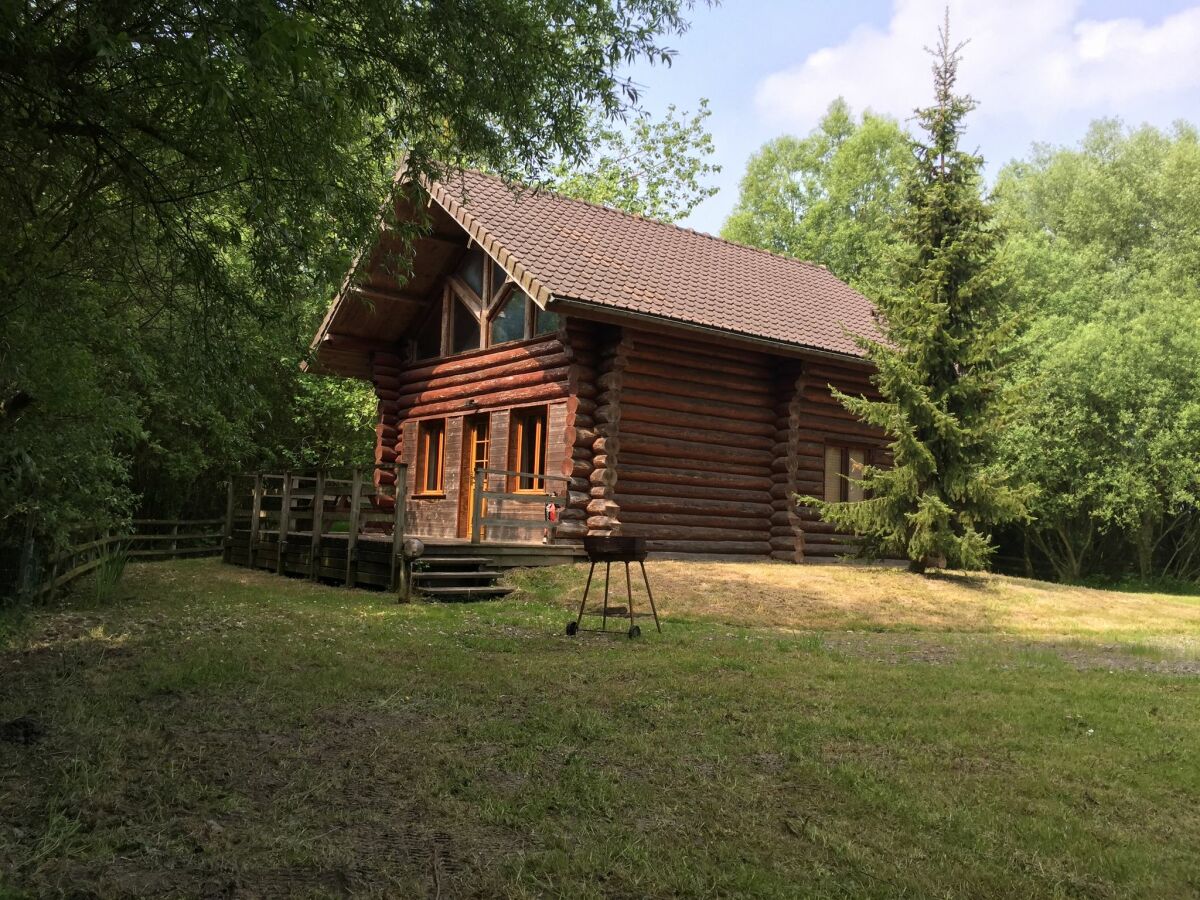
<point>282,522</point>
<point>480,521</point>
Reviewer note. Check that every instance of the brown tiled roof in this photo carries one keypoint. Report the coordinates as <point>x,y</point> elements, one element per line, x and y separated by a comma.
<point>569,249</point>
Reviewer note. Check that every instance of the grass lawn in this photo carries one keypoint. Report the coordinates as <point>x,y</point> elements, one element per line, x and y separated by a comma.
<point>796,731</point>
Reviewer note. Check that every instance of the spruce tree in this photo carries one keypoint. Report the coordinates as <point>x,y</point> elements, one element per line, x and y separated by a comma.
<point>938,360</point>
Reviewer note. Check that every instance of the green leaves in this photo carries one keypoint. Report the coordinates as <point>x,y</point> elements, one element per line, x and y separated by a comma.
<point>651,168</point>
<point>828,198</point>
<point>183,184</point>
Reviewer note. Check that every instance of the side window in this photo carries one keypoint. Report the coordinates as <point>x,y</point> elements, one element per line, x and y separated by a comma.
<point>529,448</point>
<point>843,473</point>
<point>431,456</point>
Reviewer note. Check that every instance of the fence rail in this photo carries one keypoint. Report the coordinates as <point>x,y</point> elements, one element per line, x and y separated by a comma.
<point>481,495</point>
<point>312,523</point>
<point>146,539</point>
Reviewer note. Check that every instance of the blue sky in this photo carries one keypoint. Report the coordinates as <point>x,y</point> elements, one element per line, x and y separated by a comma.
<point>1041,69</point>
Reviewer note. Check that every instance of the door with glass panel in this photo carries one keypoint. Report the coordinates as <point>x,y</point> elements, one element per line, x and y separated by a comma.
<point>476,445</point>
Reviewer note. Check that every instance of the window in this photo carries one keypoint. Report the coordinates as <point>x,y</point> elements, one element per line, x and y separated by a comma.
<point>498,277</point>
<point>470,270</point>
<point>464,329</point>
<point>431,446</point>
<point>544,322</point>
<point>509,323</point>
<point>529,446</point>
<point>519,317</point>
<point>843,473</point>
<point>429,338</point>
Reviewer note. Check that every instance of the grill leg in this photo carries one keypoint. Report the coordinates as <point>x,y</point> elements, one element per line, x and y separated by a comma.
<point>604,617</point>
<point>653,609</point>
<point>629,593</point>
<point>587,587</point>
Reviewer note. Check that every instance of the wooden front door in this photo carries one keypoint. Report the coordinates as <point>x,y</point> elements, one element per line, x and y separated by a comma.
<point>476,444</point>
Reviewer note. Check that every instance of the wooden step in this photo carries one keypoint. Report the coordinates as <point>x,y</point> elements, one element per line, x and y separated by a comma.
<point>434,575</point>
<point>490,591</point>
<point>443,561</point>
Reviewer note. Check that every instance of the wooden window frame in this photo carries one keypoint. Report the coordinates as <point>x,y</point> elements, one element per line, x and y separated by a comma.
<point>518,425</point>
<point>843,472</point>
<point>502,297</point>
<point>424,429</point>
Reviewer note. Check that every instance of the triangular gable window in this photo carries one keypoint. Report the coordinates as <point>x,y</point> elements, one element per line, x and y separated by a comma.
<point>509,323</point>
<point>470,270</point>
<point>429,338</point>
<point>464,330</point>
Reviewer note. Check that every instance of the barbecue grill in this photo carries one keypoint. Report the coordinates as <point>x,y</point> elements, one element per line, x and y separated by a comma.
<point>609,550</point>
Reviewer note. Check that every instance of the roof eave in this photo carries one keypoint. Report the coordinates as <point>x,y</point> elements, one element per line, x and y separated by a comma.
<point>602,312</point>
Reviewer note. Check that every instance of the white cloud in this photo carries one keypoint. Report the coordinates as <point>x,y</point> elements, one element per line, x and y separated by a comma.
<point>1027,61</point>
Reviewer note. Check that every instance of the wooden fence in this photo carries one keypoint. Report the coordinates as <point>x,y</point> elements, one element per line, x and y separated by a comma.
<point>147,539</point>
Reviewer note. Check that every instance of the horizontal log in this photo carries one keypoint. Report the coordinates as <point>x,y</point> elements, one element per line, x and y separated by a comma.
<point>681,533</point>
<point>702,407</point>
<point>481,359</point>
<point>571,530</point>
<point>724,467</point>
<point>603,476</point>
<point>634,411</point>
<point>688,450</point>
<point>686,349</point>
<point>729,548</point>
<point>826,371</point>
<point>607,413</point>
<point>478,389</point>
<point>537,394</point>
<point>641,517</point>
<point>676,475</point>
<point>688,505</point>
<point>630,487</point>
<point>733,394</point>
<point>761,442</point>
<point>699,373</point>
<point>601,522</point>
<point>784,543</point>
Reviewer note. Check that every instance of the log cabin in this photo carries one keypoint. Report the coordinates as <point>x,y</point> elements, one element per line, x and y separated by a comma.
<point>646,378</point>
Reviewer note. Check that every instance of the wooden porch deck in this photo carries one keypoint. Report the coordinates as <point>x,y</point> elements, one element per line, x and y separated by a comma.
<point>351,530</point>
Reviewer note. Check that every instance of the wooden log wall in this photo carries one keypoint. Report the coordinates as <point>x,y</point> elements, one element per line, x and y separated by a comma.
<point>603,508</point>
<point>816,419</point>
<point>787,535</point>
<point>530,372</point>
<point>582,341</point>
<point>697,433</point>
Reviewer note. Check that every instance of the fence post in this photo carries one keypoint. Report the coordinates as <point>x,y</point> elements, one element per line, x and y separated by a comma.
<point>352,536</point>
<point>227,536</point>
<point>399,526</point>
<point>285,520</point>
<point>27,580</point>
<point>255,512</point>
<point>318,525</point>
<point>477,502</point>
<point>174,542</point>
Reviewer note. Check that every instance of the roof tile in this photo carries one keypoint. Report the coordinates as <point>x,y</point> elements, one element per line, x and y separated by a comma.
<point>591,253</point>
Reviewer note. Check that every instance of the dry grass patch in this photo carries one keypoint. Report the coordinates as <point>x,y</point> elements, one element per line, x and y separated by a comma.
<point>840,597</point>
